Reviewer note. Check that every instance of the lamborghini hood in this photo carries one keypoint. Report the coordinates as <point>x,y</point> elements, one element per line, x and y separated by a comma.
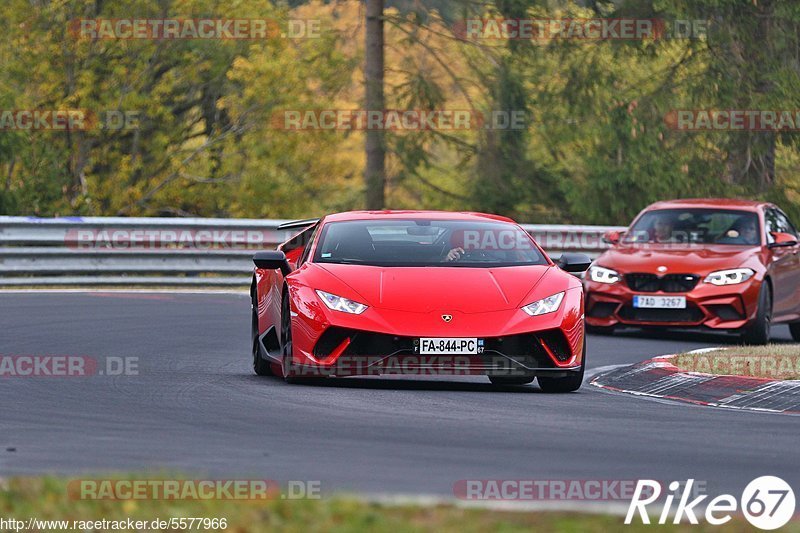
<point>467,290</point>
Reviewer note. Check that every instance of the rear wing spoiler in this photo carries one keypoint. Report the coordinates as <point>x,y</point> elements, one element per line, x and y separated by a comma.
<point>297,224</point>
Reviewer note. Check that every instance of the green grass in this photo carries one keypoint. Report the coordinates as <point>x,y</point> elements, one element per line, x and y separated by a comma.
<point>46,498</point>
<point>773,361</point>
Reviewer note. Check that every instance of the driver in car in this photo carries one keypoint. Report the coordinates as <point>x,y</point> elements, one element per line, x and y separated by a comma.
<point>662,230</point>
<point>455,254</point>
<point>744,231</point>
<point>749,232</point>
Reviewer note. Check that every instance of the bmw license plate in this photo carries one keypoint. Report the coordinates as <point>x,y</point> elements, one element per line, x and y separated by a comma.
<point>449,346</point>
<point>659,302</point>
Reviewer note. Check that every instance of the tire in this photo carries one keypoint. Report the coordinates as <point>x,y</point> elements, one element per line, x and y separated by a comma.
<point>600,330</point>
<point>260,366</point>
<point>758,331</point>
<point>570,383</point>
<point>505,380</point>
<point>288,368</point>
<point>795,330</point>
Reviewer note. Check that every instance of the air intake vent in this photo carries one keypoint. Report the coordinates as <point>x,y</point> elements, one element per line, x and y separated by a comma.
<point>670,283</point>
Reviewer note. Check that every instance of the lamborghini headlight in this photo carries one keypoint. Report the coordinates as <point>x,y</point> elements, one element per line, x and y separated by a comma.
<point>733,276</point>
<point>545,305</point>
<point>337,303</point>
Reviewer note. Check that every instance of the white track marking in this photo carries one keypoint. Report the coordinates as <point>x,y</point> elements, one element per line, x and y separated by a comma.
<point>613,508</point>
<point>592,372</point>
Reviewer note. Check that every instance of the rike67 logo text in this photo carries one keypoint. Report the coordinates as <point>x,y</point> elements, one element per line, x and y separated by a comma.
<point>767,503</point>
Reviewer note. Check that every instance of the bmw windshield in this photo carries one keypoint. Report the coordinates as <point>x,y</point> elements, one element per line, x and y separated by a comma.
<point>696,226</point>
<point>426,242</point>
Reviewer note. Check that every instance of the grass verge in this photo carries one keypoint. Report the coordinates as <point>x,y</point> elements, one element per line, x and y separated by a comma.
<point>46,499</point>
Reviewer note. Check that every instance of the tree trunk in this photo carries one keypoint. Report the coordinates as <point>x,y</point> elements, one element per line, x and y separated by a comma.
<point>751,156</point>
<point>375,172</point>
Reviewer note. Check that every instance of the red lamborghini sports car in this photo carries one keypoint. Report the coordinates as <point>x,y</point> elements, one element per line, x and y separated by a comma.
<point>418,292</point>
<point>727,265</point>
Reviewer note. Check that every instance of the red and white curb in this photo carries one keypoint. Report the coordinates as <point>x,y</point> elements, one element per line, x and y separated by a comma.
<point>659,378</point>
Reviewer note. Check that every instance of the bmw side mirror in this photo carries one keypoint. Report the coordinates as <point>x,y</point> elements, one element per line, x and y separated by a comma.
<point>781,240</point>
<point>612,237</point>
<point>272,260</point>
<point>574,262</point>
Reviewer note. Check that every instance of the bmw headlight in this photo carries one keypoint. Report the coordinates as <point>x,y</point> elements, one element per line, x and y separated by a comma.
<point>603,275</point>
<point>545,305</point>
<point>733,276</point>
<point>337,303</point>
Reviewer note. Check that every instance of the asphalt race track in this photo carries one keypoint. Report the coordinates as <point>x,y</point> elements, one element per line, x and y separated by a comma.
<point>195,407</point>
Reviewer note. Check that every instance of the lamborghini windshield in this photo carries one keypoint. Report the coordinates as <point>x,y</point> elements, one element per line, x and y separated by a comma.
<point>696,226</point>
<point>426,242</point>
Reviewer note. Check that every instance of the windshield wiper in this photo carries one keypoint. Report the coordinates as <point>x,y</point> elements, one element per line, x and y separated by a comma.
<point>346,260</point>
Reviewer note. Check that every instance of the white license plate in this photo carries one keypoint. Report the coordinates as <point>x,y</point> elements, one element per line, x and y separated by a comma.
<point>660,302</point>
<point>450,346</point>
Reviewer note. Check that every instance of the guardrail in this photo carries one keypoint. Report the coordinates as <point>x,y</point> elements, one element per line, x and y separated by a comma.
<point>105,251</point>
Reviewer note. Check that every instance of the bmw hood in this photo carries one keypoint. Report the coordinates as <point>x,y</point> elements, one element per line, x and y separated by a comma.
<point>660,259</point>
